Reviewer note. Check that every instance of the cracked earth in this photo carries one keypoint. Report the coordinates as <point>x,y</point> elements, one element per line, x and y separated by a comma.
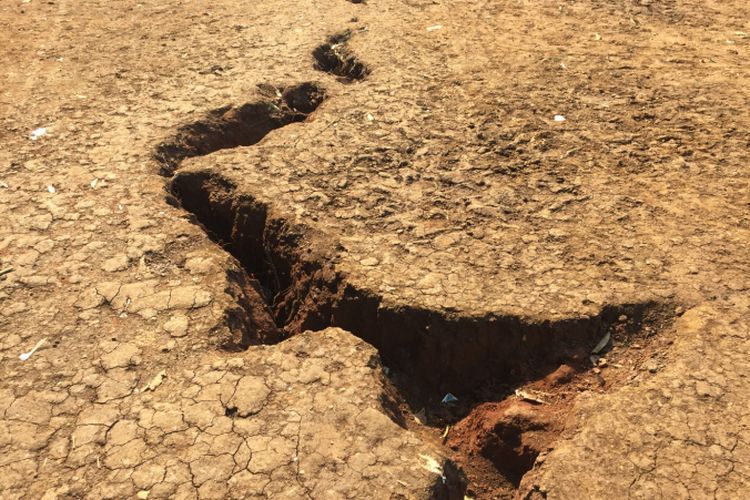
<point>387,249</point>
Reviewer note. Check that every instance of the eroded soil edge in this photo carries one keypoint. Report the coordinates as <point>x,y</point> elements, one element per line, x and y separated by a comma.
<point>289,283</point>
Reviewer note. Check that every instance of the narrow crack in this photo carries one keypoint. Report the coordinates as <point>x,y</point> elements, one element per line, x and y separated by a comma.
<point>335,57</point>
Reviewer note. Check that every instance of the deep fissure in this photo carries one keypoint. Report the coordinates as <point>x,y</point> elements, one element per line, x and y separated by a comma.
<point>430,353</point>
<point>288,283</point>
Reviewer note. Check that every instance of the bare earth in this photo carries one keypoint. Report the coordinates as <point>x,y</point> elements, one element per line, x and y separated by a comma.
<point>381,249</point>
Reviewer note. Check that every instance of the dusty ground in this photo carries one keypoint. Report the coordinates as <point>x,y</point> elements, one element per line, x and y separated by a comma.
<point>262,248</point>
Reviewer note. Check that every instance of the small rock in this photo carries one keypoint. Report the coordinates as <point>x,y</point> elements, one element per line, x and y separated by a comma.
<point>116,263</point>
<point>651,365</point>
<point>177,326</point>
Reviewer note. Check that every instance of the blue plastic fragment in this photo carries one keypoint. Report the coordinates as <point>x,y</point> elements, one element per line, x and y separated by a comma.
<point>449,398</point>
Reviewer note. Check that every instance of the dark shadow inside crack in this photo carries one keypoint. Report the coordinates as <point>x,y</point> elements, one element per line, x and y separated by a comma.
<point>335,57</point>
<point>244,125</point>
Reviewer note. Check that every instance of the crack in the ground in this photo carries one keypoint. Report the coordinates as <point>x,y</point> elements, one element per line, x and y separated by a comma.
<point>288,284</point>
<point>244,125</point>
<point>335,57</point>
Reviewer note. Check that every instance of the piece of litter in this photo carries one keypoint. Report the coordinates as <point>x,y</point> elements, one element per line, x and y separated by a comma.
<point>432,465</point>
<point>37,133</point>
<point>94,183</point>
<point>602,344</point>
<point>370,117</point>
<point>445,433</point>
<point>449,398</point>
<point>434,27</point>
<point>51,189</point>
<point>420,417</point>
<point>143,494</point>
<point>3,184</point>
<point>5,271</point>
<point>155,382</point>
<point>741,34</point>
<point>528,396</point>
<point>597,37</point>
<point>559,118</point>
<point>27,355</point>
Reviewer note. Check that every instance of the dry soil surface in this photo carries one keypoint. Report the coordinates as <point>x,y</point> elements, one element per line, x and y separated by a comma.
<point>374,249</point>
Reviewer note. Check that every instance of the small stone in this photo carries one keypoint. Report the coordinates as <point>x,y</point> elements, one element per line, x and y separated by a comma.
<point>177,326</point>
<point>156,381</point>
<point>116,263</point>
<point>651,365</point>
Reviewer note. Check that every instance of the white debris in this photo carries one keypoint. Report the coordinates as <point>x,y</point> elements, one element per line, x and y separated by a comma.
<point>369,117</point>
<point>559,118</point>
<point>531,396</point>
<point>27,355</point>
<point>435,27</point>
<point>602,344</point>
<point>155,382</point>
<point>37,133</point>
<point>420,417</point>
<point>94,183</point>
<point>432,465</point>
<point>51,189</point>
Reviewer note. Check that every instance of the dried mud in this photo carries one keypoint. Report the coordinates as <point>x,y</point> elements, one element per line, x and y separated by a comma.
<point>289,285</point>
<point>525,180</point>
